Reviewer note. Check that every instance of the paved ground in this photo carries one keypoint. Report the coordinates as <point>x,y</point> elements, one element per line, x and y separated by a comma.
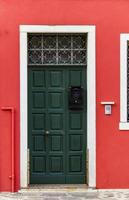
<point>66,194</point>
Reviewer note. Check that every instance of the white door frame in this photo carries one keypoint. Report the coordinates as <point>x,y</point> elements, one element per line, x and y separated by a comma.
<point>91,95</point>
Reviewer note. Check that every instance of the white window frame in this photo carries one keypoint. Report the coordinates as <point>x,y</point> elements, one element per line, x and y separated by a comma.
<point>91,95</point>
<point>124,38</point>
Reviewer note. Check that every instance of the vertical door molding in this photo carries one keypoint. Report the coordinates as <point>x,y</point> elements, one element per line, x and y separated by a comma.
<point>91,108</point>
<point>23,110</point>
<point>91,95</point>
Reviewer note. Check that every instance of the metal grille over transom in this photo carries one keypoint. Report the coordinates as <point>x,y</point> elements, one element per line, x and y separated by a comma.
<point>57,49</point>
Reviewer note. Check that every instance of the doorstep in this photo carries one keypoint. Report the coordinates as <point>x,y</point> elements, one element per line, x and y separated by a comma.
<point>56,188</point>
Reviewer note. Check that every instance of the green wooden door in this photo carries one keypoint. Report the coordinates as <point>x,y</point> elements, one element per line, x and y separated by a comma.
<point>57,135</point>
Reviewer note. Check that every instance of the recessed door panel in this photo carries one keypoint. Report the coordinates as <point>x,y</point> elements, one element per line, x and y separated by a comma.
<point>75,163</point>
<point>38,100</point>
<point>56,143</point>
<point>75,77</point>
<point>56,121</point>
<point>75,121</point>
<point>39,78</point>
<point>75,142</point>
<point>56,78</point>
<point>55,99</point>
<point>38,121</point>
<point>39,164</point>
<point>39,143</point>
<point>56,164</point>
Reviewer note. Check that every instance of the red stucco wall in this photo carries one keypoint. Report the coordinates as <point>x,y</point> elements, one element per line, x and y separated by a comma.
<point>111,18</point>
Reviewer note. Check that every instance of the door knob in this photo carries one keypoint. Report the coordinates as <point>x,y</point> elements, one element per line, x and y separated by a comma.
<point>47,132</point>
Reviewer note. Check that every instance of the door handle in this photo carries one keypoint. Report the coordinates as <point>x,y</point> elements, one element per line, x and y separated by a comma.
<point>47,132</point>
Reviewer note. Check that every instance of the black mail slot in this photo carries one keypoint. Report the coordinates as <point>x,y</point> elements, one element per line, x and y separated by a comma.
<point>76,98</point>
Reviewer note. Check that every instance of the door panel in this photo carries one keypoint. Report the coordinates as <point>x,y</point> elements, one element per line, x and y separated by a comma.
<point>75,77</point>
<point>57,135</point>
<point>76,131</point>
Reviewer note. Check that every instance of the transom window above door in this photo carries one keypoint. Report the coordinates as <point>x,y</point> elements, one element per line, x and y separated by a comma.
<point>57,49</point>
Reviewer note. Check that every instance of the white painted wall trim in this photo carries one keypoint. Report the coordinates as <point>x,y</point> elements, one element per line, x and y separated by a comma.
<point>123,125</point>
<point>23,110</point>
<point>91,94</point>
<point>55,29</point>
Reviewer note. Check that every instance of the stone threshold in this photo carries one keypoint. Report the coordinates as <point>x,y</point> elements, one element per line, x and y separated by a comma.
<point>56,188</point>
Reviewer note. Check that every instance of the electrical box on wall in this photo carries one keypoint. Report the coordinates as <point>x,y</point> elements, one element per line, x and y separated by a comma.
<point>108,110</point>
<point>108,107</point>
